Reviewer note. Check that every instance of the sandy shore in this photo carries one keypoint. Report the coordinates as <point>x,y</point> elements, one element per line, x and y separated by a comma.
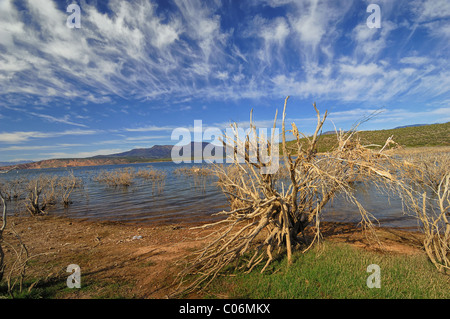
<point>140,261</point>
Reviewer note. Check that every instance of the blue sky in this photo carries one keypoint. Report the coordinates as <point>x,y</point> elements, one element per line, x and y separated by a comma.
<point>136,70</point>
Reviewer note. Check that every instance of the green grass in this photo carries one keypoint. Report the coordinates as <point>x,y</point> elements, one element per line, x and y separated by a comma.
<point>45,290</point>
<point>57,289</point>
<point>339,271</point>
<point>418,136</point>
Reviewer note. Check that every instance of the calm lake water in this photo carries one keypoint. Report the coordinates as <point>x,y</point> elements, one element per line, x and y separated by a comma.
<point>182,200</point>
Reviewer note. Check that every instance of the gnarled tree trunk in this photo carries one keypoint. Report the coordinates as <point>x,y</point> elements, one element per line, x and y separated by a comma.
<point>270,211</point>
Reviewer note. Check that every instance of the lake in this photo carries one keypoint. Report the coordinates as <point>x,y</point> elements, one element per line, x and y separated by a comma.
<point>183,201</point>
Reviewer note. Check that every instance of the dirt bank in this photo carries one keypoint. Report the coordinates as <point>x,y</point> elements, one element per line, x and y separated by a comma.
<point>140,261</point>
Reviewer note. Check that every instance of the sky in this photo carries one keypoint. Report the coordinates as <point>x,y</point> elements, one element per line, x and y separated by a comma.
<point>136,70</point>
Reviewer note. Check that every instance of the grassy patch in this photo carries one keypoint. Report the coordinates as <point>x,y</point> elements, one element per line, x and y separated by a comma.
<point>339,271</point>
<point>417,136</point>
<point>57,289</point>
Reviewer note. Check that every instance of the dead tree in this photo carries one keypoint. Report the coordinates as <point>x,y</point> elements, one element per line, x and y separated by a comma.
<point>37,187</point>
<point>2,254</point>
<point>269,215</point>
<point>13,270</point>
<point>66,186</point>
<point>436,227</point>
<point>432,210</point>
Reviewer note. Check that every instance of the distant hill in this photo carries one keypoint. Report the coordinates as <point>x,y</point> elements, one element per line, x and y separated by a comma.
<point>412,125</point>
<point>140,155</point>
<point>14,163</point>
<point>417,135</point>
<point>155,152</point>
<point>68,162</point>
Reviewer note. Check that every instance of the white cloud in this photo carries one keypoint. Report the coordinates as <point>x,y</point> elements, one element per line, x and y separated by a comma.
<point>82,154</point>
<point>272,35</point>
<point>371,42</point>
<point>433,16</point>
<point>347,80</point>
<point>186,108</point>
<point>222,75</point>
<point>361,69</point>
<point>275,32</point>
<point>103,55</point>
<point>316,22</point>
<point>431,9</point>
<point>426,116</point>
<point>311,26</point>
<point>146,138</point>
<point>150,128</point>
<point>20,137</point>
<point>53,119</point>
<point>416,60</point>
<point>139,51</point>
<point>38,147</point>
<point>202,25</point>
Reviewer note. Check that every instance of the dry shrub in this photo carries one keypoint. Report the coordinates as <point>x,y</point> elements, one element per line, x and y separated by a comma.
<point>427,168</point>
<point>156,177</point>
<point>2,228</point>
<point>150,174</point>
<point>127,176</point>
<point>199,175</point>
<point>118,177</point>
<point>14,261</point>
<point>45,191</point>
<point>426,196</point>
<point>66,185</point>
<point>193,171</point>
<point>436,227</point>
<point>40,194</point>
<point>16,265</point>
<point>13,189</point>
<point>269,213</point>
<point>16,268</point>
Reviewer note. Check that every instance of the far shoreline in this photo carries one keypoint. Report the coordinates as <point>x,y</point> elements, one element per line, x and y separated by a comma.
<point>89,162</point>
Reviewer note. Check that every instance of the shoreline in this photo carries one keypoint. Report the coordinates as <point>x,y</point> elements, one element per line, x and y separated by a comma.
<point>141,260</point>
<point>407,149</point>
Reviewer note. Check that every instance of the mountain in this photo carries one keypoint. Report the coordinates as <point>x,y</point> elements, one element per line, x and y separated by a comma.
<point>412,125</point>
<point>14,163</point>
<point>155,152</point>
<point>139,155</point>
<point>410,136</point>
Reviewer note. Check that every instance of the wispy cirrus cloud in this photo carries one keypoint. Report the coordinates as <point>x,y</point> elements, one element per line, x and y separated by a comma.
<point>51,155</point>
<point>139,51</point>
<point>150,128</point>
<point>20,136</point>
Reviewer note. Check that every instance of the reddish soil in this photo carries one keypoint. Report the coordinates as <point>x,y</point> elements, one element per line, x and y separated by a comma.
<point>113,264</point>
